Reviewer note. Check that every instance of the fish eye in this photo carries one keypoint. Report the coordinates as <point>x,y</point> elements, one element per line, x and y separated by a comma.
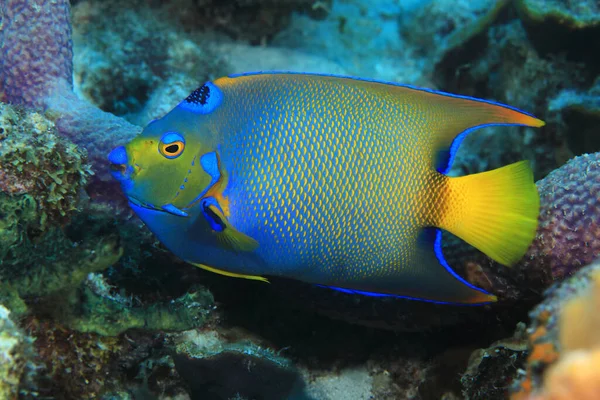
<point>171,145</point>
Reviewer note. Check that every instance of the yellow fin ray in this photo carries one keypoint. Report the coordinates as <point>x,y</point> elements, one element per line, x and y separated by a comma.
<point>230,237</point>
<point>495,211</point>
<point>230,274</point>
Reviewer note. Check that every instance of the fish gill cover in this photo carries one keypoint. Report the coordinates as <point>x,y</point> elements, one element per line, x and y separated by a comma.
<point>93,305</point>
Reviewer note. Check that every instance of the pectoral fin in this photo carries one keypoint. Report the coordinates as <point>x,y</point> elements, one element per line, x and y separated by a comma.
<point>231,274</point>
<point>227,235</point>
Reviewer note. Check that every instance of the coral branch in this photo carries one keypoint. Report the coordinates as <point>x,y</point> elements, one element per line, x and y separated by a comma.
<point>37,72</point>
<point>37,53</point>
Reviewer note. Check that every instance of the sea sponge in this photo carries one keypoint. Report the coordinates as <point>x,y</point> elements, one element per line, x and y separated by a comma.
<point>37,72</point>
<point>577,373</point>
<point>28,76</point>
<point>564,342</point>
<point>567,238</point>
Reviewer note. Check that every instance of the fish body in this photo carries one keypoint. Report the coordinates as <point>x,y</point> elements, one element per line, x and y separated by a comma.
<point>330,180</point>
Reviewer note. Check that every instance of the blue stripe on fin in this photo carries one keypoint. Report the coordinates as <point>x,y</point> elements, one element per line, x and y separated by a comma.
<point>397,296</point>
<point>437,247</point>
<point>434,236</point>
<point>446,156</point>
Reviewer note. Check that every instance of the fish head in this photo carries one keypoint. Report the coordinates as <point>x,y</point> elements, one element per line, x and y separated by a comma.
<point>169,165</point>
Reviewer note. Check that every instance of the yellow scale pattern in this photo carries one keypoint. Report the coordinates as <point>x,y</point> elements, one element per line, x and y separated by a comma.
<point>328,187</point>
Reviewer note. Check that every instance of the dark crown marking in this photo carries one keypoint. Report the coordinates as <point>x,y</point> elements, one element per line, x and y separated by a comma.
<point>199,96</point>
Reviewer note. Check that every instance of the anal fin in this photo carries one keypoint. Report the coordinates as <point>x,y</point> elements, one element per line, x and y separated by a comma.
<point>230,274</point>
<point>423,275</point>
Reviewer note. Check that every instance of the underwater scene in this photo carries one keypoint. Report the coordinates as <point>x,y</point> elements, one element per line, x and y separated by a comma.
<point>300,199</point>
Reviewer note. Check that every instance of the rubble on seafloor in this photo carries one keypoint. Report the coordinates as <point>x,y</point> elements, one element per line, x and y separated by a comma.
<point>555,358</point>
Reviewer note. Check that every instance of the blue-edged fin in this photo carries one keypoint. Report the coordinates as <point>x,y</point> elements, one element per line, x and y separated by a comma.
<point>462,115</point>
<point>230,274</point>
<point>425,277</point>
<point>227,236</point>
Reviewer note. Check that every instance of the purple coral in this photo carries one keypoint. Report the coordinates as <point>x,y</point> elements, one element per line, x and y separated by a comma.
<point>569,231</point>
<point>37,56</point>
<point>568,235</point>
<point>36,71</point>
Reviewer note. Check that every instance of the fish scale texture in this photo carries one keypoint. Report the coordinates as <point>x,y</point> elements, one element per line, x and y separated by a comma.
<point>338,171</point>
<point>36,49</point>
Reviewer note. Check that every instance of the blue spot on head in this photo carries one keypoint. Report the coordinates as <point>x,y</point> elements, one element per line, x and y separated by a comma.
<point>203,100</point>
<point>118,156</point>
<point>171,137</point>
<point>210,164</point>
<point>181,187</point>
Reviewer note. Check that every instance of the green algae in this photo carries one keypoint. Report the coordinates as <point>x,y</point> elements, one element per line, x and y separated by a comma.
<point>110,317</point>
<point>41,178</point>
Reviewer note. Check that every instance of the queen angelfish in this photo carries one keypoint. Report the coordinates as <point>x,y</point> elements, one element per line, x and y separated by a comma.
<point>331,180</point>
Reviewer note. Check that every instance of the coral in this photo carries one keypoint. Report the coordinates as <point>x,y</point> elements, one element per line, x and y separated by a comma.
<point>441,26</point>
<point>123,51</point>
<point>561,25</point>
<point>215,368</point>
<point>109,314</point>
<point>17,366</point>
<point>27,75</point>
<point>357,37</point>
<point>574,14</point>
<point>498,65</point>
<point>36,72</point>
<point>59,266</point>
<point>491,370</point>
<point>41,174</point>
<point>579,113</point>
<point>76,365</point>
<point>575,376</point>
<point>47,273</point>
<point>569,229</point>
<point>255,20</point>
<point>568,236</point>
<point>564,341</point>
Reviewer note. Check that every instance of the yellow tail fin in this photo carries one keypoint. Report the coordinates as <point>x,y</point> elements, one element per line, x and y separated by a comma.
<point>495,211</point>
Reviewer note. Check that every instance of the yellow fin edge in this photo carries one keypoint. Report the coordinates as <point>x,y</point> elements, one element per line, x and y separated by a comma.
<point>230,274</point>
